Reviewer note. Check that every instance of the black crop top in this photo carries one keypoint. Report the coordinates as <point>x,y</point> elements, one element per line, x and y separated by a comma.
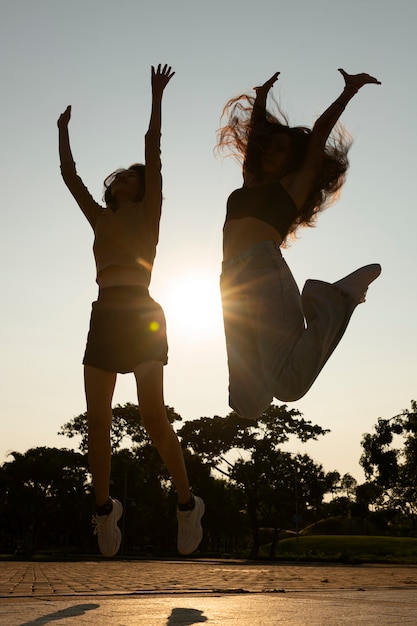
<point>269,202</point>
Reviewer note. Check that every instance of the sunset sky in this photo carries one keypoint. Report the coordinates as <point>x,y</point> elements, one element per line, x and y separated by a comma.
<point>96,56</point>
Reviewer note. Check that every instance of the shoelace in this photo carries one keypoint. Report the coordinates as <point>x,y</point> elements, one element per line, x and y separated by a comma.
<point>98,521</point>
<point>185,521</point>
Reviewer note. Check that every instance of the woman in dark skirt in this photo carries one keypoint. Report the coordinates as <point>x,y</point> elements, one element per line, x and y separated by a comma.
<point>127,327</point>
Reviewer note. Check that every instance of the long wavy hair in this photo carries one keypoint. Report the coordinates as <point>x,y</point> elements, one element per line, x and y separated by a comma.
<point>111,203</point>
<point>232,140</point>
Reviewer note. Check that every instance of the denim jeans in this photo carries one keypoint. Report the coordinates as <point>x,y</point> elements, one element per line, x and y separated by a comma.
<point>277,339</point>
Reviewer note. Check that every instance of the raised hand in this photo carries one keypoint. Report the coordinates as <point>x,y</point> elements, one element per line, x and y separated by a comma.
<point>161,77</point>
<point>64,118</point>
<point>358,80</point>
<point>269,83</point>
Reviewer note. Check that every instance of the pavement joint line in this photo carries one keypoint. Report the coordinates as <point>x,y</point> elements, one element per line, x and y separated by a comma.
<point>197,592</point>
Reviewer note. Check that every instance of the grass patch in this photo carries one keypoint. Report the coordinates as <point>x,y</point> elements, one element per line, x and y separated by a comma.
<point>347,549</point>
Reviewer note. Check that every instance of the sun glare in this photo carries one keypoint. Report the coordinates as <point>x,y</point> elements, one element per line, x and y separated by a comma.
<point>193,304</point>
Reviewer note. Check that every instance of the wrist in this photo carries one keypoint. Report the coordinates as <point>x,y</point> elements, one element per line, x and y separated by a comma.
<point>261,96</point>
<point>262,90</point>
<point>351,89</point>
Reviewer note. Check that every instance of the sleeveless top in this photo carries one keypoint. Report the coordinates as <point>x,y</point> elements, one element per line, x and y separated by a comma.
<point>128,237</point>
<point>269,202</point>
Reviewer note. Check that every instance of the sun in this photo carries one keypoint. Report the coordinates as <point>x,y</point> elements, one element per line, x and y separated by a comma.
<point>192,304</point>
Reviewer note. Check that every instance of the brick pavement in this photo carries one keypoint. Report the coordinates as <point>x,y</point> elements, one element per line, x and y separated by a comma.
<point>105,578</point>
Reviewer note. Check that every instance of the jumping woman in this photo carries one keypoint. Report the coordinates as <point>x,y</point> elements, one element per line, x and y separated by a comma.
<point>127,327</point>
<point>277,339</point>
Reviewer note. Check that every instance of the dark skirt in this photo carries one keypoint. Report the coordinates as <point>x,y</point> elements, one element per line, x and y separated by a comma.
<point>127,328</point>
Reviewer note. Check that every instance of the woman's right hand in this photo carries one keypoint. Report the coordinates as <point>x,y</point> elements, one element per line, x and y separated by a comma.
<point>64,118</point>
<point>269,83</point>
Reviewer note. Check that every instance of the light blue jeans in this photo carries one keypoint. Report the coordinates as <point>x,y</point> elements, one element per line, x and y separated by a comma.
<point>277,339</point>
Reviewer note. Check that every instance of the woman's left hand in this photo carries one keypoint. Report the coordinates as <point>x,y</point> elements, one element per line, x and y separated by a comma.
<point>161,77</point>
<point>358,80</point>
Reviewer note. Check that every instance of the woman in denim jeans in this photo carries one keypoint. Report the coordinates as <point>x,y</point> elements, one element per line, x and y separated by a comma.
<point>277,339</point>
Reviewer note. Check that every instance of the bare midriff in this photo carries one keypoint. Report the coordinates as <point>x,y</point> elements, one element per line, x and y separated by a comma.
<point>118,276</point>
<point>243,233</point>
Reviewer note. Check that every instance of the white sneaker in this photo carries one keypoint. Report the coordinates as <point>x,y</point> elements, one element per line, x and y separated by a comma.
<point>190,531</point>
<point>107,531</point>
<point>356,284</point>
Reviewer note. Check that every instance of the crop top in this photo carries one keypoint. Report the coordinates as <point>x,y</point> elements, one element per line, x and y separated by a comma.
<point>126,237</point>
<point>269,202</point>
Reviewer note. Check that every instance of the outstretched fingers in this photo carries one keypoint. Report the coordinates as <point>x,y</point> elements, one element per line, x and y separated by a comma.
<point>164,72</point>
<point>273,78</point>
<point>65,117</point>
<point>358,80</point>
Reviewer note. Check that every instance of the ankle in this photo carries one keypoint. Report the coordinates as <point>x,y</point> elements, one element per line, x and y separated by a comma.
<point>188,505</point>
<point>104,509</point>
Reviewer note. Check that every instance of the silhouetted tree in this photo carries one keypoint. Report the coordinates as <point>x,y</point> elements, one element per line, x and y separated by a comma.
<point>43,496</point>
<point>249,454</point>
<point>389,460</point>
<point>348,484</point>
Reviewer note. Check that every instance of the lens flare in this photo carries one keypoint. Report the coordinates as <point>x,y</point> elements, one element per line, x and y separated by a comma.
<point>192,304</point>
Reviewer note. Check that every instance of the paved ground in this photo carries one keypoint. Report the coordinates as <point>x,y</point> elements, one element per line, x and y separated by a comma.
<point>219,592</point>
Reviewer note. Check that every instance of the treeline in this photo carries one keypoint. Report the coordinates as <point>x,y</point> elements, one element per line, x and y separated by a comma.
<point>253,489</point>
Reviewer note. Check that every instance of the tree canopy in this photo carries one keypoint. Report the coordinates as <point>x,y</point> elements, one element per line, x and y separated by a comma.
<point>389,460</point>
<point>250,483</point>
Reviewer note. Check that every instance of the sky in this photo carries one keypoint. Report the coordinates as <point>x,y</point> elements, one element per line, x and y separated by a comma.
<point>96,56</point>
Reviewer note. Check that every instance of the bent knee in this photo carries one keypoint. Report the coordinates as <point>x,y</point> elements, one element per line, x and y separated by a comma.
<point>290,393</point>
<point>249,408</point>
<point>286,397</point>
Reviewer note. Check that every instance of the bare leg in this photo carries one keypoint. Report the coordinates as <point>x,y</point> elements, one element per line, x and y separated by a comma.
<point>99,388</point>
<point>149,380</point>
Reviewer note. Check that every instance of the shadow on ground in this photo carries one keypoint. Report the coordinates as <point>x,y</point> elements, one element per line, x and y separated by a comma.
<point>185,617</point>
<point>71,611</point>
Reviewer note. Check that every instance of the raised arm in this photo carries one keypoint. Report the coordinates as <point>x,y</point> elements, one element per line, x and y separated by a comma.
<point>64,145</point>
<point>259,108</point>
<point>257,122</point>
<point>301,183</point>
<point>69,173</point>
<point>160,77</point>
<point>327,120</point>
